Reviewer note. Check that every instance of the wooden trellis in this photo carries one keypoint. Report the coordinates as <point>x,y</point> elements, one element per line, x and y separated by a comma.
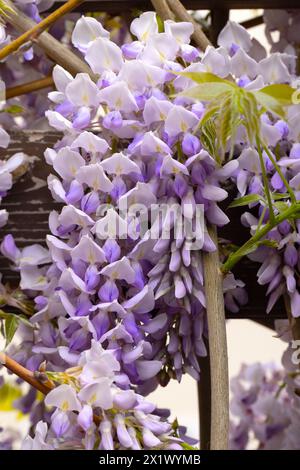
<point>29,204</point>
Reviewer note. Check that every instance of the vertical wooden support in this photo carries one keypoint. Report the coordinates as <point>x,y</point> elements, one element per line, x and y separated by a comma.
<point>219,18</point>
<point>213,283</point>
<point>204,401</point>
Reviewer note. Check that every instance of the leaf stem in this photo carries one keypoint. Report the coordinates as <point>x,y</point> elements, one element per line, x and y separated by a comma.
<point>235,257</point>
<point>265,180</point>
<point>279,171</point>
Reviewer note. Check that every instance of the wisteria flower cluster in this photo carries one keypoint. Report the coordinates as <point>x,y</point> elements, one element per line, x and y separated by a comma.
<point>265,404</point>
<point>119,294</point>
<point>126,419</point>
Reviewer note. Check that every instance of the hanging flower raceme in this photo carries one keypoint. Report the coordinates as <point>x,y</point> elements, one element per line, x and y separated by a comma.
<point>265,403</point>
<point>139,183</point>
<point>91,409</point>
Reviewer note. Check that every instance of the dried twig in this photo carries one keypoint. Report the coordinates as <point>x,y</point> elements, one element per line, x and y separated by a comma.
<point>56,51</point>
<point>213,280</point>
<point>29,87</point>
<point>182,14</point>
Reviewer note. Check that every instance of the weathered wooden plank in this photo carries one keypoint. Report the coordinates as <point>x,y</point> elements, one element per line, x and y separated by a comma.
<point>29,204</point>
<point>119,6</point>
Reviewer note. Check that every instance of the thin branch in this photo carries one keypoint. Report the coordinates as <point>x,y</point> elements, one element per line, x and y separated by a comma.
<point>163,10</point>
<point>23,373</point>
<point>55,50</point>
<point>30,378</point>
<point>182,14</point>
<point>37,28</point>
<point>236,256</point>
<point>29,87</point>
<point>213,280</point>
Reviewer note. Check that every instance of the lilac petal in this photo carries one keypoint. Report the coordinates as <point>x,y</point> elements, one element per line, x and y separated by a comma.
<point>113,120</point>
<point>190,145</point>
<point>109,291</point>
<point>98,394</point>
<point>82,118</point>
<point>148,369</point>
<point>295,304</point>
<point>90,203</point>
<point>60,423</point>
<point>107,441</point>
<point>132,49</point>
<point>91,278</point>
<point>85,417</point>
<point>75,192</point>
<point>112,250</point>
<point>125,399</point>
<point>180,185</point>
<point>123,435</point>
<point>9,249</point>
<point>149,439</point>
<point>291,255</point>
<point>63,397</point>
<point>156,324</point>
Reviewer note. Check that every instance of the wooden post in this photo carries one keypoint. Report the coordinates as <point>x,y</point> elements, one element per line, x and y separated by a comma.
<point>204,400</point>
<point>219,18</point>
<point>213,283</point>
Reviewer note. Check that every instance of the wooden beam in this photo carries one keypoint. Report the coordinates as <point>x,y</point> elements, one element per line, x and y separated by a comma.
<point>219,18</point>
<point>118,6</point>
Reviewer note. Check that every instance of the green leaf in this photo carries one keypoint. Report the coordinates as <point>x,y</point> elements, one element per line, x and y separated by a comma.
<point>206,91</point>
<point>279,196</point>
<point>205,77</point>
<point>19,317</point>
<point>11,325</point>
<point>249,109</point>
<point>275,98</point>
<point>208,137</point>
<point>281,93</point>
<point>246,200</point>
<point>225,122</point>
